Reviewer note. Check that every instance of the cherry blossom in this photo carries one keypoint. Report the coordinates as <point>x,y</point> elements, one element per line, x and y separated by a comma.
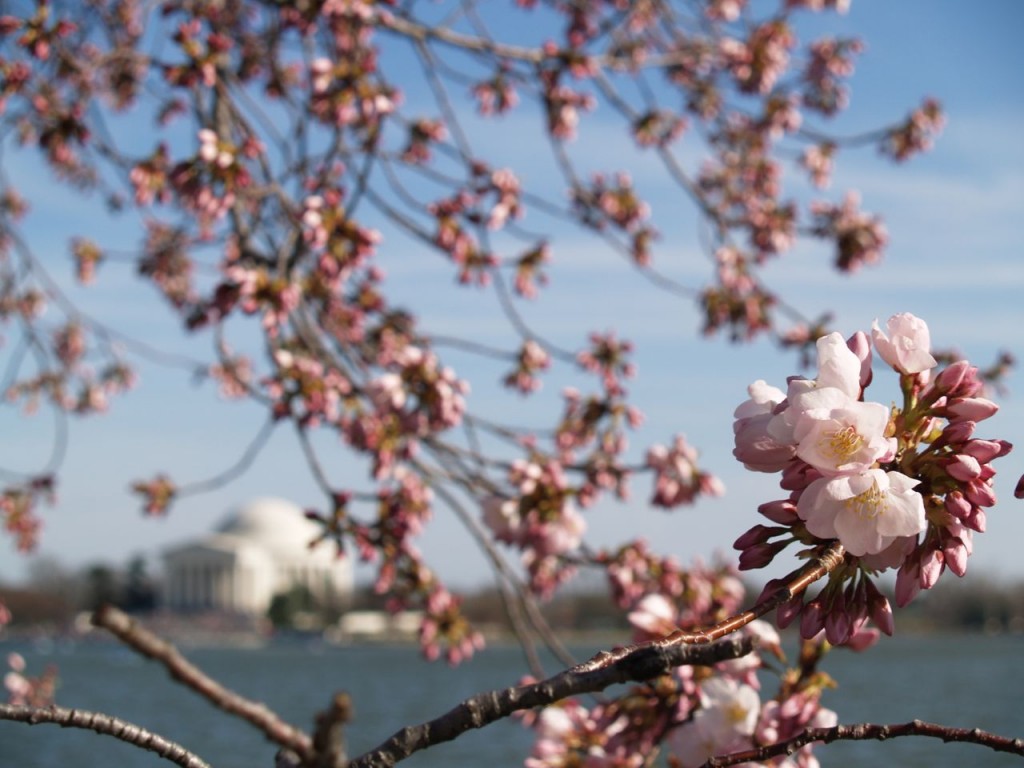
<point>837,435</point>
<point>866,512</point>
<point>864,474</point>
<point>724,723</point>
<point>282,139</point>
<point>25,690</point>
<point>678,480</point>
<point>907,346</point>
<point>839,370</point>
<point>654,615</point>
<point>755,447</point>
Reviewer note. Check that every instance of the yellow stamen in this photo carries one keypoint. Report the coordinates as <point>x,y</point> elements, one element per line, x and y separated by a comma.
<point>869,504</point>
<point>841,444</point>
<point>735,713</point>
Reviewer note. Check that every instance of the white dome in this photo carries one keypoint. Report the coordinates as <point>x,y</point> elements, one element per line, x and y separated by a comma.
<point>260,550</point>
<point>275,525</point>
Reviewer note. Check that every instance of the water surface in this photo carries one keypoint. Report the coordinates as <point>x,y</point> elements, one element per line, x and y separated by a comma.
<point>966,681</point>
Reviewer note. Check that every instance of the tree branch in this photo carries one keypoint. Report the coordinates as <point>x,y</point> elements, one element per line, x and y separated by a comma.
<point>181,669</point>
<point>793,585</point>
<point>866,731</point>
<point>483,709</point>
<point>105,725</point>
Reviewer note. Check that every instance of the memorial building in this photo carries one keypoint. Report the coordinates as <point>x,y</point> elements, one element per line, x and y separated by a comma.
<point>261,550</point>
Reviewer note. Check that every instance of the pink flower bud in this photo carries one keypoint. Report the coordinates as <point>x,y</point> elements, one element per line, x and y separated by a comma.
<point>987,450</point>
<point>769,591</point>
<point>975,520</point>
<point>963,468</point>
<point>798,706</point>
<point>879,609</point>
<point>908,582</point>
<point>971,409</point>
<point>711,485</point>
<point>755,447</point>
<point>760,555</point>
<point>759,534</point>
<point>798,475</point>
<point>861,347</point>
<point>863,638</point>
<point>932,565</point>
<point>980,494</point>
<point>788,611</point>
<point>951,378</point>
<point>838,626</point>
<point>811,620</point>
<point>957,505</point>
<point>782,512</point>
<point>1018,492</point>
<point>654,614</point>
<point>955,554</point>
<point>958,432</point>
<point>965,534</point>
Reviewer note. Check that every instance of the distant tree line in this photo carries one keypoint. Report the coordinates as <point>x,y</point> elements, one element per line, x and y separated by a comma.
<point>52,595</point>
<point>984,604</point>
<point>981,604</point>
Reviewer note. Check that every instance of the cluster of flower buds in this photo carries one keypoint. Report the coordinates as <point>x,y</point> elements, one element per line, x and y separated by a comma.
<point>423,133</point>
<point>633,571</point>
<point>157,494</point>
<point>720,709</point>
<point>900,488</point>
<point>543,522</point>
<point>443,623</point>
<point>18,511</point>
<point>658,128</point>
<point>617,732</point>
<point>677,479</point>
<point>530,360</point>
<point>496,95</point>
<point>860,237</point>
<point>333,101</point>
<point>24,690</point>
<point>615,205</point>
<point>692,713</point>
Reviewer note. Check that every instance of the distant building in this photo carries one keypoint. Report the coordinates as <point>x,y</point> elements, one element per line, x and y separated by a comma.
<point>261,550</point>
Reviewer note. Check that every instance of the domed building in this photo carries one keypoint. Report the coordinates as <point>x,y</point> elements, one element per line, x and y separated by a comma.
<point>259,551</point>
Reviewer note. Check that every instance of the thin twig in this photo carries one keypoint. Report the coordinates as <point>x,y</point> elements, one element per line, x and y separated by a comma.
<point>181,669</point>
<point>237,469</point>
<point>871,731</point>
<point>519,603</point>
<point>793,585</point>
<point>485,708</point>
<point>106,725</point>
<point>328,733</point>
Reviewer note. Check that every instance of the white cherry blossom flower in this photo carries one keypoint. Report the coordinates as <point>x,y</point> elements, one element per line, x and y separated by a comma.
<point>866,512</point>
<point>755,447</point>
<point>838,368</point>
<point>836,434</point>
<point>907,346</point>
<point>724,723</point>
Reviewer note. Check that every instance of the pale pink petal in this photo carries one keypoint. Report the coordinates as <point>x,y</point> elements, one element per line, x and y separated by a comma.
<point>838,366</point>
<point>906,348</point>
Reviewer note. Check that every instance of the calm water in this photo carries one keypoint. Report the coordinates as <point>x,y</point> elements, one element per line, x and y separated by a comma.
<point>961,681</point>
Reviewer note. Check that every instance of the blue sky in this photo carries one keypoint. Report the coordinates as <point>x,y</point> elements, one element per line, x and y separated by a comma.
<point>954,220</point>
